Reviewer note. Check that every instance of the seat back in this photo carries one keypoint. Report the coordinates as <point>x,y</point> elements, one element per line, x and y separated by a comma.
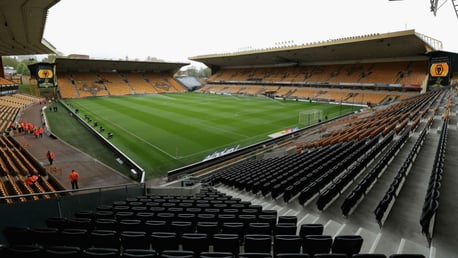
<point>311,229</point>
<point>134,240</point>
<point>177,254</point>
<point>63,251</point>
<point>216,255</point>
<point>258,243</point>
<point>285,229</point>
<point>24,251</point>
<point>101,238</point>
<point>101,252</point>
<point>75,237</point>
<point>196,242</point>
<point>262,228</point>
<point>226,243</point>
<point>314,244</point>
<point>164,241</point>
<point>347,244</point>
<point>287,244</point>
<point>287,219</point>
<point>255,255</point>
<point>139,253</point>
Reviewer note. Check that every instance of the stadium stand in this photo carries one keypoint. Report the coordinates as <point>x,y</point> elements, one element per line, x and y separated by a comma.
<point>115,84</point>
<point>318,174</point>
<point>283,206</point>
<point>376,83</point>
<point>84,233</point>
<point>91,84</point>
<point>66,87</point>
<point>139,84</point>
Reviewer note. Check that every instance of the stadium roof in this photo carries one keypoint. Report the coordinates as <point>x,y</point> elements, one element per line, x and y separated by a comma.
<point>22,25</point>
<point>94,65</point>
<point>407,45</point>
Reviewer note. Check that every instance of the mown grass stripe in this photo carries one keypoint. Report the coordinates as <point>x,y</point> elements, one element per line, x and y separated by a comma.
<point>164,132</point>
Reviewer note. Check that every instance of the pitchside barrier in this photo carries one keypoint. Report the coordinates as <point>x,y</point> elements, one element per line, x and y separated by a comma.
<point>190,169</point>
<point>136,172</point>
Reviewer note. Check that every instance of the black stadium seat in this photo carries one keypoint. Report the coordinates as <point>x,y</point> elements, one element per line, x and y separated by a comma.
<point>258,243</point>
<point>310,229</point>
<point>216,255</point>
<point>63,251</point>
<point>314,244</point>
<point>101,252</point>
<point>110,224</point>
<point>151,226</point>
<point>226,243</point>
<point>134,240</point>
<point>102,238</point>
<point>326,255</point>
<point>255,255</point>
<point>361,255</point>
<point>287,244</point>
<point>262,228</point>
<point>164,241</point>
<point>285,229</point>
<point>75,237</point>
<point>196,242</point>
<point>139,253</point>
<point>292,255</point>
<point>348,244</point>
<point>45,236</point>
<point>176,254</point>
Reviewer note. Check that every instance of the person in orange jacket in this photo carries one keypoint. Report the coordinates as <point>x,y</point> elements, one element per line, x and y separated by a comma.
<point>31,179</point>
<point>74,176</point>
<point>35,132</point>
<point>41,130</point>
<point>50,156</point>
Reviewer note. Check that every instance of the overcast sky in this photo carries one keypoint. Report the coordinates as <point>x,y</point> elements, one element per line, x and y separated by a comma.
<point>173,30</point>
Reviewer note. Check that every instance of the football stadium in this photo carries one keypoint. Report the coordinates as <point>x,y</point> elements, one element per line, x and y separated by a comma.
<point>338,148</point>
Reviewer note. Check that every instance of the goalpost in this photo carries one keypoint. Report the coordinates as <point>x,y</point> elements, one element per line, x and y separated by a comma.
<point>309,117</point>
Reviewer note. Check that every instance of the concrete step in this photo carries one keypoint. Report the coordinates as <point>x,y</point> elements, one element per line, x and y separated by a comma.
<point>371,240</point>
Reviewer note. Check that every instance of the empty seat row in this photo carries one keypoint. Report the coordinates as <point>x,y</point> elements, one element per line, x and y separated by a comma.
<point>199,242</point>
<point>75,252</point>
<point>431,203</point>
<point>398,181</point>
<point>371,177</point>
<point>363,156</point>
<point>146,220</point>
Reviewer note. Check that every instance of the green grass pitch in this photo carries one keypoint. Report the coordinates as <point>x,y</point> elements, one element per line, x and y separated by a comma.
<point>168,131</point>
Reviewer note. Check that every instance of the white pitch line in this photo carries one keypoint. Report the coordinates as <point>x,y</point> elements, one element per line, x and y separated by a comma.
<point>141,139</point>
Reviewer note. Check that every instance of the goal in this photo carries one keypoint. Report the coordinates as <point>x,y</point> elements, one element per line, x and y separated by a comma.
<point>310,117</point>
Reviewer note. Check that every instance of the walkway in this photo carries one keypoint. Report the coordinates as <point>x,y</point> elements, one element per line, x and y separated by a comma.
<point>92,172</point>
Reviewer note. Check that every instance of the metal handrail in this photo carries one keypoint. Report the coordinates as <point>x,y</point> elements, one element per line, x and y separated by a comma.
<point>61,192</point>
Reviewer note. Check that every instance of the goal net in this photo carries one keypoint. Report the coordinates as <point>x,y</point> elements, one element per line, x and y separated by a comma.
<point>310,117</point>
